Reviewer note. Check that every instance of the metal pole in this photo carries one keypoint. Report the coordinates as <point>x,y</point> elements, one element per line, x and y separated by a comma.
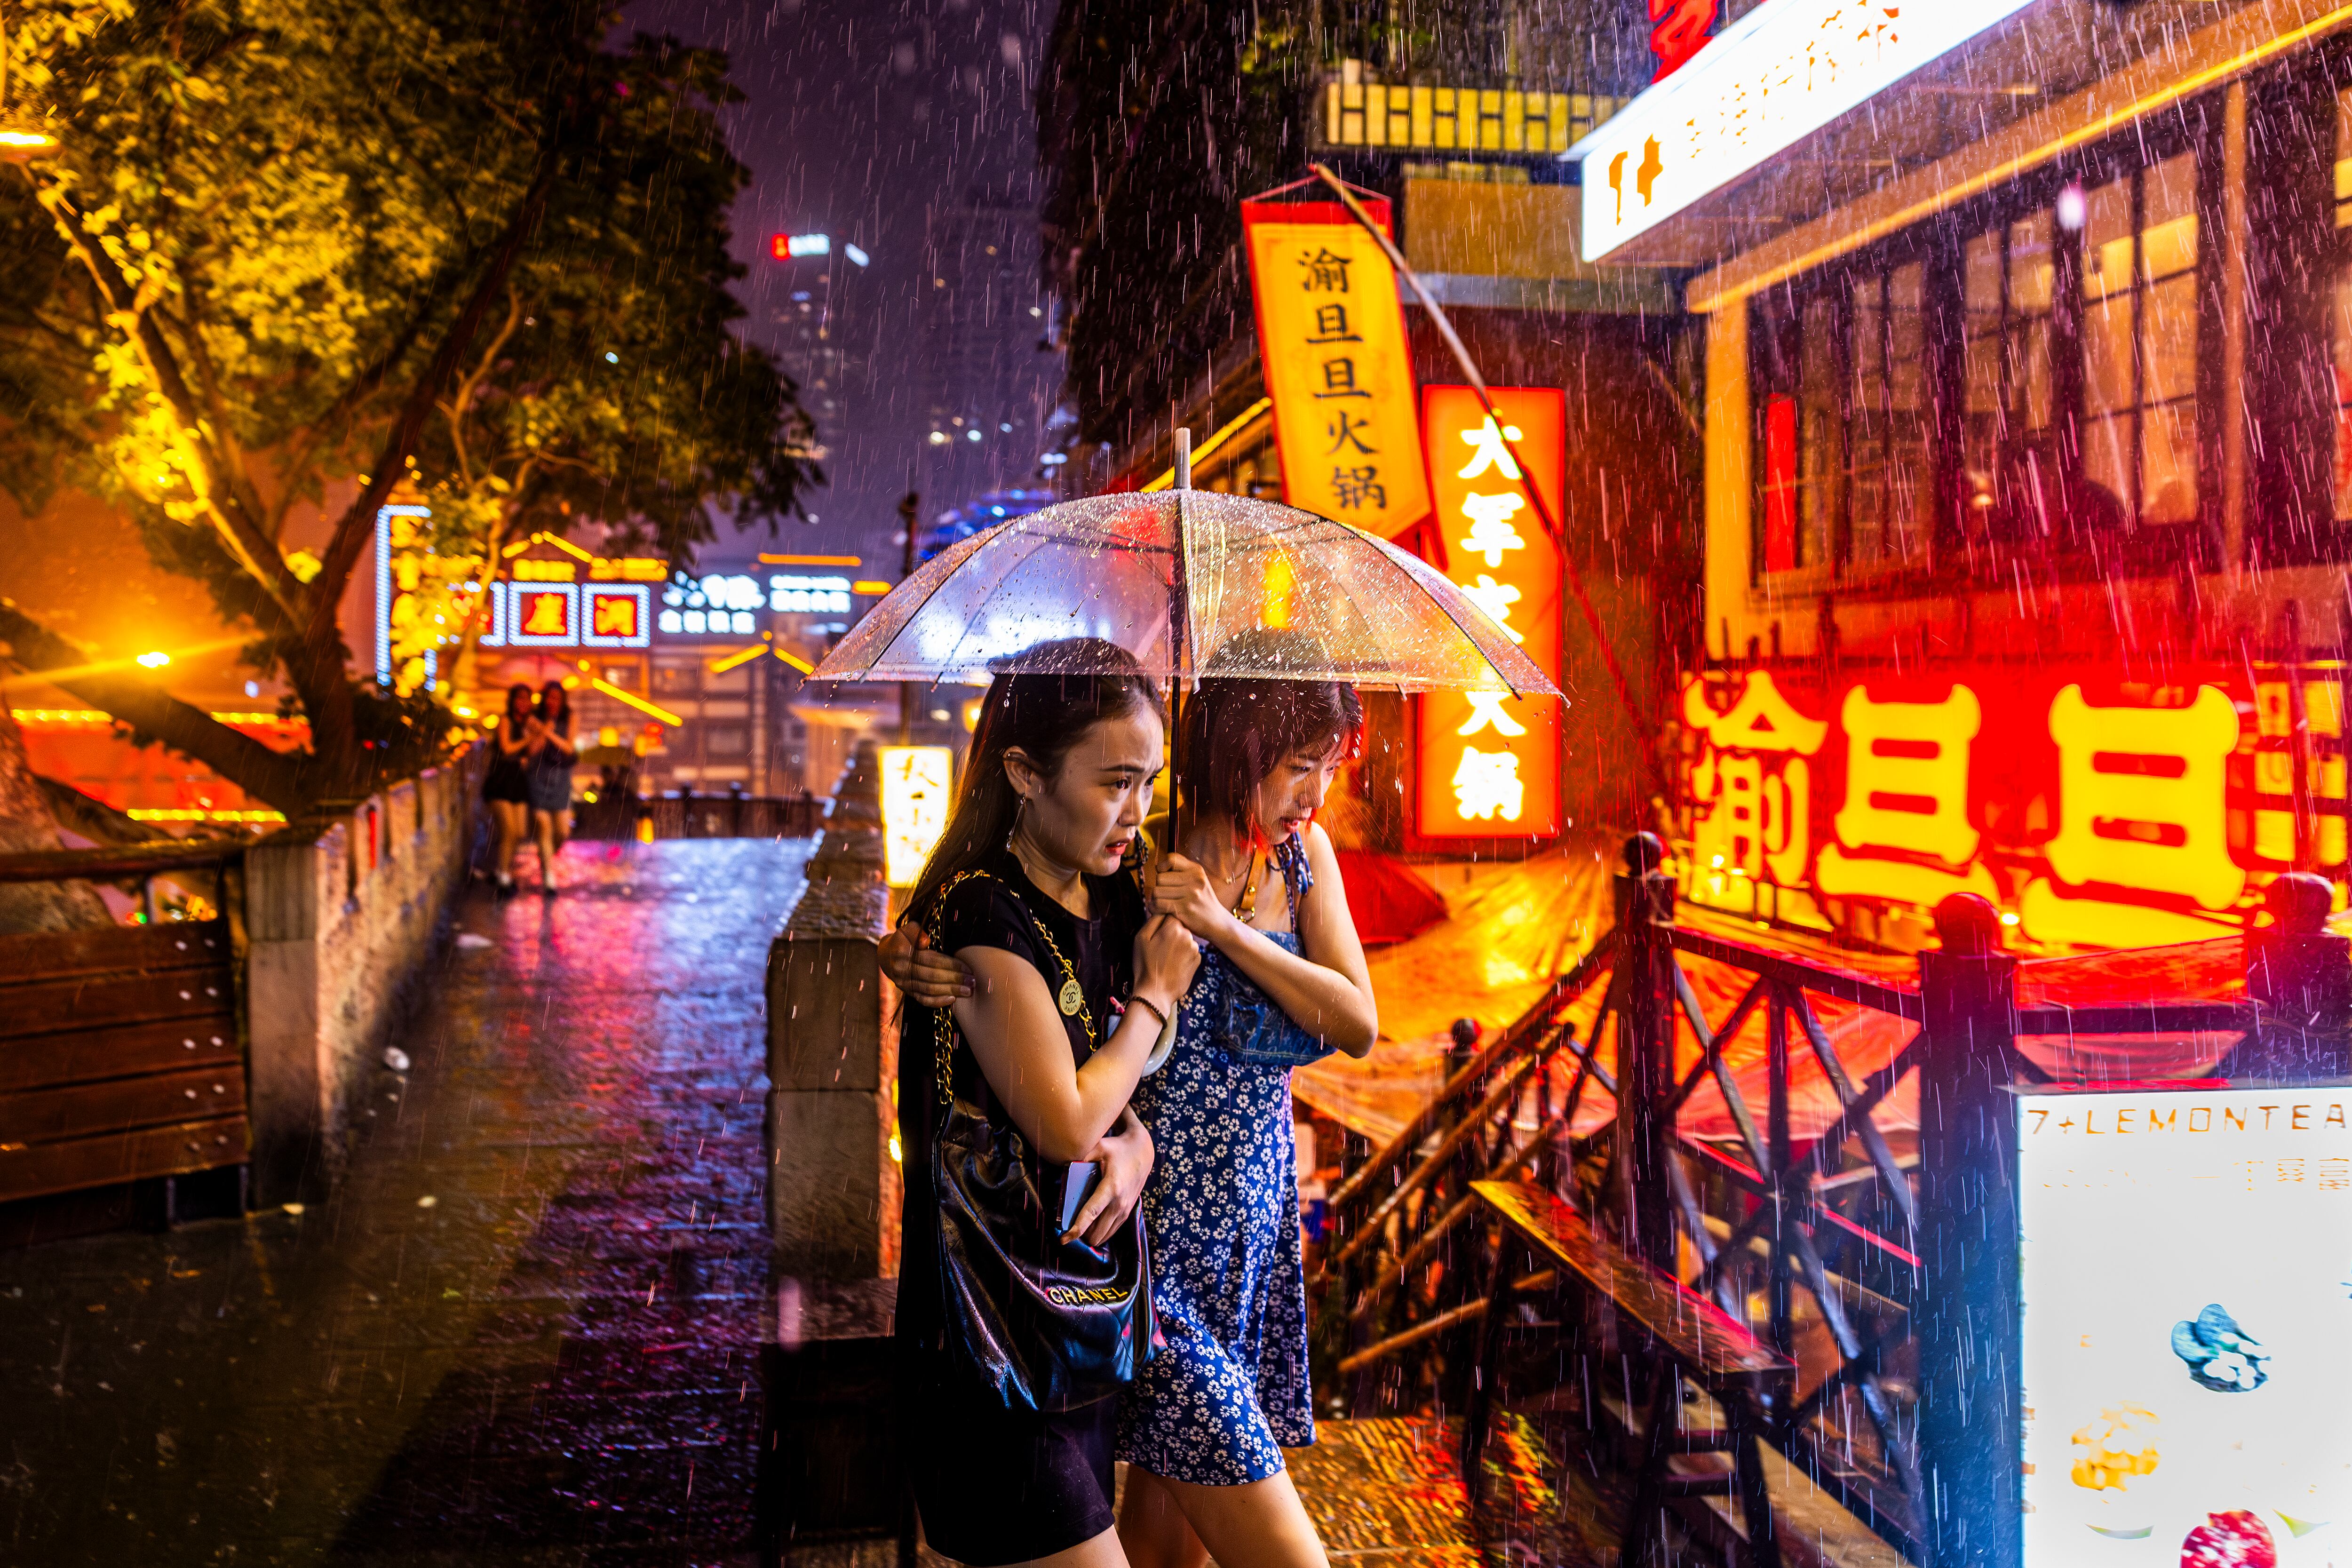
<point>907,690</point>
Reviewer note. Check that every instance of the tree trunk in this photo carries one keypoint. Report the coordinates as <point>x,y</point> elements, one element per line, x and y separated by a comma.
<point>26,824</point>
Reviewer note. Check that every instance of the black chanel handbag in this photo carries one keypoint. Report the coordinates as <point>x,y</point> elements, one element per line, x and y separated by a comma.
<point>1048,1324</point>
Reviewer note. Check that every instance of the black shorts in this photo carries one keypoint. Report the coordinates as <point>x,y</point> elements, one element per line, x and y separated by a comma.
<point>507,784</point>
<point>998,1486</point>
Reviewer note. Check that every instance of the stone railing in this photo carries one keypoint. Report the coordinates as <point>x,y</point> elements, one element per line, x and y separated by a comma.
<point>342,913</point>
<point>833,1057</point>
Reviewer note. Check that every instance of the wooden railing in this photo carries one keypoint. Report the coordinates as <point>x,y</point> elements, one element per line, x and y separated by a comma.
<point>1836,1232</point>
<point>686,815</point>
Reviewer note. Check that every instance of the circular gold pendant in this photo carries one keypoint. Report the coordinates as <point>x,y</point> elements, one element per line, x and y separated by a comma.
<point>1071,998</point>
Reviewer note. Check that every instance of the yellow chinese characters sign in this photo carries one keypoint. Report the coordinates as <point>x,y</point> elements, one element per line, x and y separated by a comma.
<point>1330,334</point>
<point>1489,764</point>
<point>918,787</point>
<point>2089,810</point>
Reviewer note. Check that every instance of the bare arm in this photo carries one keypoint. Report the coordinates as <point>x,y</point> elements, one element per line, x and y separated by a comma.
<point>508,744</point>
<point>1328,991</point>
<point>1015,1032</point>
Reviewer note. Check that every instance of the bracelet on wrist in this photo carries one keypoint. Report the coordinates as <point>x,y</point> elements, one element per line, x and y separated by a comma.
<point>1146,1002</point>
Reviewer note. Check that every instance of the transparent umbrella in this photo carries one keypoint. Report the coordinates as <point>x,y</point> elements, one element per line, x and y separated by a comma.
<point>1173,577</point>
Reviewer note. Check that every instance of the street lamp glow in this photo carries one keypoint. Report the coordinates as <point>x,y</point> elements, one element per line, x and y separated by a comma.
<point>856,254</point>
<point>155,660</point>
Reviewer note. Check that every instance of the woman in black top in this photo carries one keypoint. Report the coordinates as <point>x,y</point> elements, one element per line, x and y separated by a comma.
<point>507,786</point>
<point>1058,781</point>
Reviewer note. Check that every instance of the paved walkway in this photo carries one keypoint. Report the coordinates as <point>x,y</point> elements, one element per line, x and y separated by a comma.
<point>523,1332</point>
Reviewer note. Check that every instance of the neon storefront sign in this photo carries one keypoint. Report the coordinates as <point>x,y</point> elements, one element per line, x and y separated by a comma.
<point>2089,811</point>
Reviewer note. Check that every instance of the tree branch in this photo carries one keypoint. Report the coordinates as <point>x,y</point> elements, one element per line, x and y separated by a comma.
<point>358,522</point>
<point>463,398</point>
<point>318,671</point>
<point>242,532</point>
<point>277,778</point>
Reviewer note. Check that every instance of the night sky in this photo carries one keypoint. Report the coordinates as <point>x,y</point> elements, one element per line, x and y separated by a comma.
<point>878,123</point>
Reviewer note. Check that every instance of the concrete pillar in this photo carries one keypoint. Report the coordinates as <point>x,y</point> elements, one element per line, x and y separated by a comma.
<point>288,1082</point>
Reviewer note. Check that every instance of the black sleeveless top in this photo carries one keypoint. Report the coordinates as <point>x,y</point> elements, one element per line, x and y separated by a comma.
<point>993,912</point>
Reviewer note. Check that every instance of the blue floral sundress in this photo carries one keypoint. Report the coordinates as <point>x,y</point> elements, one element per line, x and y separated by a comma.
<point>1230,1391</point>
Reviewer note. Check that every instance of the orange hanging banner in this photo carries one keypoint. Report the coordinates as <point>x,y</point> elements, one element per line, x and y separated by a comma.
<point>1489,765</point>
<point>1331,338</point>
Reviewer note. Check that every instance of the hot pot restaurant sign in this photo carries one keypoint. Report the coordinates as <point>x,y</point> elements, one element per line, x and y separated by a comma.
<point>2089,809</point>
<point>1330,332</point>
<point>1488,765</point>
<point>2186,1321</point>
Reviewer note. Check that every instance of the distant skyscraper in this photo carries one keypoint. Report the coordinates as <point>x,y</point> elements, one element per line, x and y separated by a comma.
<point>987,389</point>
<point>824,336</point>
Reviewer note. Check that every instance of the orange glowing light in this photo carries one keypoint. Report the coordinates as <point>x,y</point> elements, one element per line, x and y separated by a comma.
<point>1279,578</point>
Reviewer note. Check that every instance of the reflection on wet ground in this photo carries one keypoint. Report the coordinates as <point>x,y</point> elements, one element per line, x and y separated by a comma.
<point>523,1330</point>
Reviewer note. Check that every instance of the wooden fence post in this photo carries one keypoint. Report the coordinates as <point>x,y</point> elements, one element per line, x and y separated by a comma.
<point>1645,1049</point>
<point>1964,1319</point>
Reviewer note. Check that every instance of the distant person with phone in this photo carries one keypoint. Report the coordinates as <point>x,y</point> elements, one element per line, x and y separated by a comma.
<point>1024,1303</point>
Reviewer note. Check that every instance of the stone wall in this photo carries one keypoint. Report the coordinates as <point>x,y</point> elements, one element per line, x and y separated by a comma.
<point>342,913</point>
<point>832,1055</point>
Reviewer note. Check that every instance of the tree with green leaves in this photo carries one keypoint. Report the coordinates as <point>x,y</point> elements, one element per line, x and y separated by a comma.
<point>279,247</point>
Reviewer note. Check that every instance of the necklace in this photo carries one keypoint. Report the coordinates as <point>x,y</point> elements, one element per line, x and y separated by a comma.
<point>1071,1000</point>
<point>1245,910</point>
<point>1245,907</point>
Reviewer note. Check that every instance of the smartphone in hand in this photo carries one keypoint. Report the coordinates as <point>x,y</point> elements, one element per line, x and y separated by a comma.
<point>1081,1181</point>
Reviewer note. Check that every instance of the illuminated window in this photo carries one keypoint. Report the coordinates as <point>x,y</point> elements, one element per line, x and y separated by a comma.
<point>1802,436</point>
<point>1844,449</point>
<point>2139,342</point>
<point>2008,286</point>
<point>1887,474</point>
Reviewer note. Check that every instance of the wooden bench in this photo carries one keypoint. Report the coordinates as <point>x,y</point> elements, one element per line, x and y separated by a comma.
<point>1687,1337</point>
<point>119,1059</point>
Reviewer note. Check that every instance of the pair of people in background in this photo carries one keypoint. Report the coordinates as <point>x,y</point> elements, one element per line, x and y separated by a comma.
<point>529,785</point>
<point>1239,931</point>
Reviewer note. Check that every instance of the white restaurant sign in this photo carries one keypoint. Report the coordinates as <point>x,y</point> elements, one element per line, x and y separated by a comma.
<point>1779,73</point>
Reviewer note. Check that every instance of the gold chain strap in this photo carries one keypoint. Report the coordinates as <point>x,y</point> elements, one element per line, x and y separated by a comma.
<point>943,1020</point>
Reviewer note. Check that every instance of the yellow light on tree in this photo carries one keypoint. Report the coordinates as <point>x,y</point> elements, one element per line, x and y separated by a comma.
<point>918,787</point>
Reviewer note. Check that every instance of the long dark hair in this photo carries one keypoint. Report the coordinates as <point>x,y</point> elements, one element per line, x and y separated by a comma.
<point>554,705</point>
<point>1237,729</point>
<point>520,689</point>
<point>1033,708</point>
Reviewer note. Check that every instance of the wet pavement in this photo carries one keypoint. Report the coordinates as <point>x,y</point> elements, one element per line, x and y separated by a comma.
<point>524,1328</point>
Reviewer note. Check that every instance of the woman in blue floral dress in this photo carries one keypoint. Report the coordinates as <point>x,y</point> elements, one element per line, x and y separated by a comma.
<point>1283,980</point>
<point>1283,977</point>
